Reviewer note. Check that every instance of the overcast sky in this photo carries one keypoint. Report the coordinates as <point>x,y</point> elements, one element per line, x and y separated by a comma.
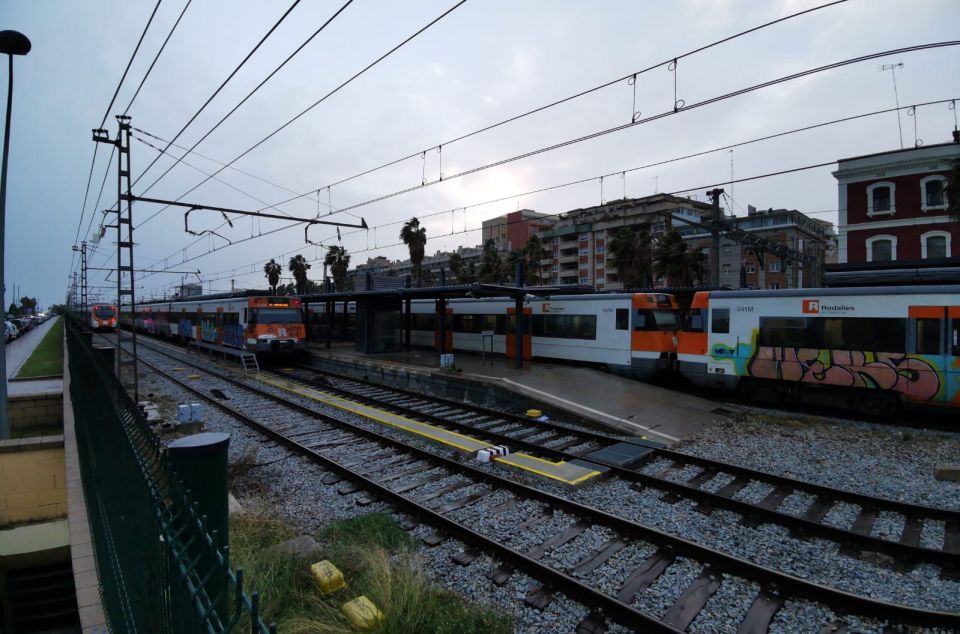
<point>486,61</point>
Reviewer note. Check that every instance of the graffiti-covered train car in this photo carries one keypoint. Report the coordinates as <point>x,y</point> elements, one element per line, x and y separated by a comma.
<point>874,347</point>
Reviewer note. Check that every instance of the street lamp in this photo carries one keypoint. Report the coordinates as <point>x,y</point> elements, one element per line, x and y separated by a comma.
<point>11,43</point>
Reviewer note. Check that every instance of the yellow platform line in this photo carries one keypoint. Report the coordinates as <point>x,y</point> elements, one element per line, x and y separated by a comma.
<point>466,443</point>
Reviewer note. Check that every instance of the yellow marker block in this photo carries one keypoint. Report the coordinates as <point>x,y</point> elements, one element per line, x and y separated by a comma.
<point>534,413</point>
<point>193,376</point>
<point>328,576</point>
<point>178,369</point>
<point>362,613</point>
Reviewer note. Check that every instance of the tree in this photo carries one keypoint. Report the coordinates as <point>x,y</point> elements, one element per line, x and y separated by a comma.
<point>952,192</point>
<point>415,237</point>
<point>298,266</point>
<point>675,262</point>
<point>28,305</point>
<point>272,271</point>
<point>535,252</point>
<point>630,251</point>
<point>491,266</point>
<point>338,260</point>
<point>456,266</point>
<point>522,256</point>
<point>13,309</point>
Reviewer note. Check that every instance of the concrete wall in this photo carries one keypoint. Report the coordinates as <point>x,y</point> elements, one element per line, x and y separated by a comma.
<point>35,412</point>
<point>32,479</point>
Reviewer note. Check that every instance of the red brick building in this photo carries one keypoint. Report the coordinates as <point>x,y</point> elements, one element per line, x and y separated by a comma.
<point>893,206</point>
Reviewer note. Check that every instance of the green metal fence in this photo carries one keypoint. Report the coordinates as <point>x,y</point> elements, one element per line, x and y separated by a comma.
<point>159,568</point>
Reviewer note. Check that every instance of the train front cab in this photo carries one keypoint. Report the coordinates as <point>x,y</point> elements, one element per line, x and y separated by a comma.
<point>693,362</point>
<point>653,340</point>
<point>933,338</point>
<point>103,317</point>
<point>273,324</point>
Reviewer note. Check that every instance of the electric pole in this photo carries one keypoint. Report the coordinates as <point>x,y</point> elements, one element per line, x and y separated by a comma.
<point>715,244</point>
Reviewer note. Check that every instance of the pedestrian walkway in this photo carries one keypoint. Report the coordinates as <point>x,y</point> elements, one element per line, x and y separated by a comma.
<point>622,403</point>
<point>18,351</point>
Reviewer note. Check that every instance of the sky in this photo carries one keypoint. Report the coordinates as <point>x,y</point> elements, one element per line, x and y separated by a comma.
<point>485,62</point>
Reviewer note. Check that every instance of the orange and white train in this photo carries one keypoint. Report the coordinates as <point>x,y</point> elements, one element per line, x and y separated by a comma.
<point>629,333</point>
<point>875,347</point>
<point>103,317</point>
<point>238,320</point>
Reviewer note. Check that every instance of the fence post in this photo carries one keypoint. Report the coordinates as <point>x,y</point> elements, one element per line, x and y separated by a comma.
<point>200,461</point>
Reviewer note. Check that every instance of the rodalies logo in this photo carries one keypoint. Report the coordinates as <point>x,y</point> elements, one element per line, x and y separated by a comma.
<point>811,306</point>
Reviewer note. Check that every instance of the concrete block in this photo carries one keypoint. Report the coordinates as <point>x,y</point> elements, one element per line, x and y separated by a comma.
<point>10,445</point>
<point>949,472</point>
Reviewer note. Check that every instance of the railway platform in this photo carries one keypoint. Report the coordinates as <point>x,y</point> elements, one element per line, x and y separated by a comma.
<point>588,394</point>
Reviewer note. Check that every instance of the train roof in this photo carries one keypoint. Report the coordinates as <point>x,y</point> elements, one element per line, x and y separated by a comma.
<point>212,296</point>
<point>840,292</point>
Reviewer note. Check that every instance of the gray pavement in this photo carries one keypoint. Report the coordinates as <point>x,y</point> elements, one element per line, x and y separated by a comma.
<point>622,403</point>
<point>18,351</point>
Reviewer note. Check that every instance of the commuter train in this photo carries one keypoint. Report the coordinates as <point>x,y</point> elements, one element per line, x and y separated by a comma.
<point>629,333</point>
<point>103,317</point>
<point>237,320</point>
<point>873,347</point>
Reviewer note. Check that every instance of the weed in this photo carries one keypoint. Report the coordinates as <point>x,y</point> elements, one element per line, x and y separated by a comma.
<point>372,529</point>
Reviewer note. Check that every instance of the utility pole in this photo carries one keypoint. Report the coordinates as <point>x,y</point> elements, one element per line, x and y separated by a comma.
<point>83,275</point>
<point>125,262</point>
<point>715,244</point>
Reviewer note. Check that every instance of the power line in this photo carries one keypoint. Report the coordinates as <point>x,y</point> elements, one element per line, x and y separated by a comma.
<point>156,57</point>
<point>224,83</point>
<point>252,92</point>
<point>619,172</point>
<point>318,102</point>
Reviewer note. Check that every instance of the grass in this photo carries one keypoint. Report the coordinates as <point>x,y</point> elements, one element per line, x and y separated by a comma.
<point>377,559</point>
<point>47,357</point>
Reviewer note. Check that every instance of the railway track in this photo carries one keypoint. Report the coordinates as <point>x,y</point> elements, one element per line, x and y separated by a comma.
<point>710,484</point>
<point>442,492</point>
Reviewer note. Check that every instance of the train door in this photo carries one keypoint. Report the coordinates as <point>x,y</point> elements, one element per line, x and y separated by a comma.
<point>448,330</point>
<point>219,324</point>
<point>953,356</point>
<point>512,333</point>
<point>928,373</point>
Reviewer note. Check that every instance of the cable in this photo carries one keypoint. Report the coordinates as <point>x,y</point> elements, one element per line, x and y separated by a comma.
<point>139,42</point>
<point>630,170</point>
<point>224,83</point>
<point>160,52</point>
<point>252,92</point>
<point>316,103</point>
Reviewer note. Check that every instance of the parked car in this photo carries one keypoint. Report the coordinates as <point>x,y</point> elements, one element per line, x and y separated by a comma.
<point>12,332</point>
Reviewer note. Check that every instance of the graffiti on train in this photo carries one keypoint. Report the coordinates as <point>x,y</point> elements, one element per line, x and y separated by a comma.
<point>909,375</point>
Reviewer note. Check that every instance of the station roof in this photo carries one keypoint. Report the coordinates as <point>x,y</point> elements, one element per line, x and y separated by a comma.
<point>449,292</point>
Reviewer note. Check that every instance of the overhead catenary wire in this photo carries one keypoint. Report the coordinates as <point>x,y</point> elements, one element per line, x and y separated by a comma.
<point>225,82</point>
<point>318,102</point>
<point>592,179</point>
<point>136,93</point>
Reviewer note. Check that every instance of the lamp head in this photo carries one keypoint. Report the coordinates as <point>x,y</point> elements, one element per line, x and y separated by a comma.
<point>14,43</point>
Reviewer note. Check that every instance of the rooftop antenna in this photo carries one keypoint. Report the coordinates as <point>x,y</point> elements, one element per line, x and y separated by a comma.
<point>893,73</point>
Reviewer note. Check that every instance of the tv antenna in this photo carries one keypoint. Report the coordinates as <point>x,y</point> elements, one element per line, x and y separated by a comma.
<point>893,73</point>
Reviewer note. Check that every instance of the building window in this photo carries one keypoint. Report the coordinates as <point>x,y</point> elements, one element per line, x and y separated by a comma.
<point>600,249</point>
<point>935,244</point>
<point>933,193</point>
<point>751,268</point>
<point>774,285</point>
<point>775,266</point>
<point>880,199</point>
<point>881,249</point>
<point>584,280</point>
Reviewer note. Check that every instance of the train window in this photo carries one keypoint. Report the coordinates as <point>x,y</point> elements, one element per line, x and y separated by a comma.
<point>623,319</point>
<point>423,321</point>
<point>720,321</point>
<point>277,315</point>
<point>104,312</point>
<point>512,324</point>
<point>695,320</point>
<point>789,332</point>
<point>928,336</point>
<point>466,323</point>
<point>955,338</point>
<point>565,326</point>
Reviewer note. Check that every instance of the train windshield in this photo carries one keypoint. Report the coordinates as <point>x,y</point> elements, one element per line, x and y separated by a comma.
<point>657,320</point>
<point>104,312</point>
<point>276,316</point>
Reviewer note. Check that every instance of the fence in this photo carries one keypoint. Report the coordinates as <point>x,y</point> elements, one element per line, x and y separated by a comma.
<point>159,569</point>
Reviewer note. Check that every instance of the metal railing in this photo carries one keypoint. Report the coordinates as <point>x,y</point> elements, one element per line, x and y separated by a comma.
<point>159,568</point>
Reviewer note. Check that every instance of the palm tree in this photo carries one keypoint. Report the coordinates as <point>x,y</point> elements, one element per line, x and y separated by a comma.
<point>299,266</point>
<point>675,262</point>
<point>491,266</point>
<point>272,271</point>
<point>415,237</point>
<point>535,252</point>
<point>338,260</point>
<point>630,251</point>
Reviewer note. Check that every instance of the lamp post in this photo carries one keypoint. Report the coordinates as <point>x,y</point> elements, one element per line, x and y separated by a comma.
<point>11,43</point>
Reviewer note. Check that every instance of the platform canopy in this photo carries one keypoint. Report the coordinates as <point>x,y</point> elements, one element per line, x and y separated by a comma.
<point>450,292</point>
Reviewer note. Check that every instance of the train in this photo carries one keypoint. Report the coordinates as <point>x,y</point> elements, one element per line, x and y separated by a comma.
<point>632,334</point>
<point>103,317</point>
<point>251,322</point>
<point>871,348</point>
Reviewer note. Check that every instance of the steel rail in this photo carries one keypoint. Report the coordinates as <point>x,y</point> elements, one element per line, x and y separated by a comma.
<point>905,553</point>
<point>841,601</point>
